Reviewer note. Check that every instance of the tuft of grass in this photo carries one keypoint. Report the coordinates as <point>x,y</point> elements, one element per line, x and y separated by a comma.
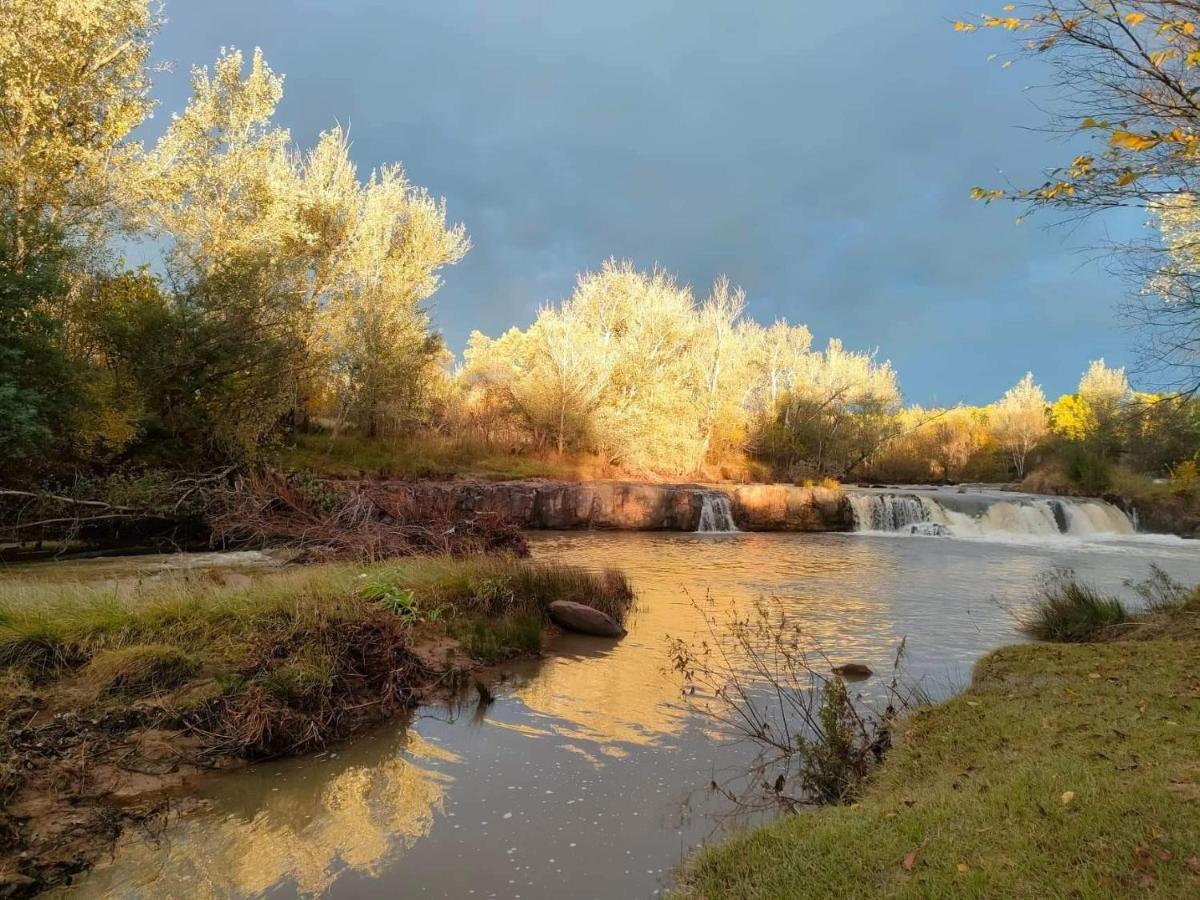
<point>494,641</point>
<point>1068,611</point>
<point>1065,771</point>
<point>140,669</point>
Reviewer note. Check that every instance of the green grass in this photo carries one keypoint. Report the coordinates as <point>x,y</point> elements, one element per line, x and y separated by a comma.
<point>46,626</point>
<point>140,669</point>
<point>1067,610</point>
<point>351,456</point>
<point>495,640</point>
<point>1065,771</point>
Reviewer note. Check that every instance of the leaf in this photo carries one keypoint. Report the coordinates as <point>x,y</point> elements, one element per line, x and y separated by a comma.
<point>1130,141</point>
<point>1067,797</point>
<point>910,860</point>
<point>1135,18</point>
<point>962,867</point>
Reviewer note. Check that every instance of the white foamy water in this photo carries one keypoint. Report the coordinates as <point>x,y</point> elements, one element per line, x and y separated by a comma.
<point>998,515</point>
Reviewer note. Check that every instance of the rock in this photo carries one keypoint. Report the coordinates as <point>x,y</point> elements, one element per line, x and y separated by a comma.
<point>788,507</point>
<point>853,670</point>
<point>584,619</point>
<point>627,505</point>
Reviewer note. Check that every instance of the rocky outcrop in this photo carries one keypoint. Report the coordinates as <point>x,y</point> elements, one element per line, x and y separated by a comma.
<point>786,507</point>
<point>634,506</point>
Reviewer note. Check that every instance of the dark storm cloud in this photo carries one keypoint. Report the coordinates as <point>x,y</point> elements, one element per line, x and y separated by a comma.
<point>821,159</point>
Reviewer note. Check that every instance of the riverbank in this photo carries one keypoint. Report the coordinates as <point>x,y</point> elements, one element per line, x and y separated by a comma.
<point>111,701</point>
<point>1065,770</point>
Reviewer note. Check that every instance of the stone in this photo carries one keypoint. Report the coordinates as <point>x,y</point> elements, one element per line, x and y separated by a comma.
<point>584,619</point>
<point>629,505</point>
<point>853,670</point>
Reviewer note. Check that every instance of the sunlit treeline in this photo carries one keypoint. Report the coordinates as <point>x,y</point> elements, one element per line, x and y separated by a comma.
<point>290,297</point>
<point>635,368</point>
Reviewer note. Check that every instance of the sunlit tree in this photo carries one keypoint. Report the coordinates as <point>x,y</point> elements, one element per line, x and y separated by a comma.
<point>73,86</point>
<point>1018,421</point>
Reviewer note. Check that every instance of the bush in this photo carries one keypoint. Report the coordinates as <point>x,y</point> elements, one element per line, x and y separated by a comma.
<point>1069,611</point>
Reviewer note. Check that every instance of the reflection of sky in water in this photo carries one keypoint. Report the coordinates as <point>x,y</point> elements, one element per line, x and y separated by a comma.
<point>580,779</point>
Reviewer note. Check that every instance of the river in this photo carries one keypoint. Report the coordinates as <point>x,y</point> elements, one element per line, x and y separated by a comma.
<point>588,775</point>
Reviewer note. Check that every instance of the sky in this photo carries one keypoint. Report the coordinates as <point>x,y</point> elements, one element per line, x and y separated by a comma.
<point>820,158</point>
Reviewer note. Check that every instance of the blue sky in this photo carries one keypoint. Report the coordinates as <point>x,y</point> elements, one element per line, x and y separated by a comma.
<point>822,159</point>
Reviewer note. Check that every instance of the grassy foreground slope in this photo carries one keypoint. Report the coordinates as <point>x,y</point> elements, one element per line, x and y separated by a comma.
<point>1065,771</point>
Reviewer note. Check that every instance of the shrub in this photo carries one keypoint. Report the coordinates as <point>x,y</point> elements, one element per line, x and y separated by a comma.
<point>1068,611</point>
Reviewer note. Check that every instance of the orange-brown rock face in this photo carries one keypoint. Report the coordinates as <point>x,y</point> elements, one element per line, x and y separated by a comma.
<point>639,506</point>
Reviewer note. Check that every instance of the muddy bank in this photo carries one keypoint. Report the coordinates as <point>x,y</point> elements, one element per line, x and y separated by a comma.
<point>109,709</point>
<point>630,506</point>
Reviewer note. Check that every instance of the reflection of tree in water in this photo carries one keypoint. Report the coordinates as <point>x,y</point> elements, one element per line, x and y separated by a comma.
<point>302,834</point>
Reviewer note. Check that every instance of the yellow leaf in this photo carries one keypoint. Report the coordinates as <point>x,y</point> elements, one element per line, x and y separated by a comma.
<point>1127,177</point>
<point>1161,56</point>
<point>1089,122</point>
<point>1067,797</point>
<point>962,867</point>
<point>1135,18</point>
<point>1008,7</point>
<point>1130,141</point>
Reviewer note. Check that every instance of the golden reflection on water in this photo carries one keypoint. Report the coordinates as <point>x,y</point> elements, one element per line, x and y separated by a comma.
<point>357,818</point>
<point>623,692</point>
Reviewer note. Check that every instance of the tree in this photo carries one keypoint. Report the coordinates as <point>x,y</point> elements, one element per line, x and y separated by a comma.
<point>38,389</point>
<point>840,410</point>
<point>73,86</point>
<point>1128,82</point>
<point>1018,421</point>
<point>372,264</point>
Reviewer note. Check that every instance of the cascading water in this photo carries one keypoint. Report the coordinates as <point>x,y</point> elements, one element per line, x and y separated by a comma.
<point>716,515</point>
<point>983,513</point>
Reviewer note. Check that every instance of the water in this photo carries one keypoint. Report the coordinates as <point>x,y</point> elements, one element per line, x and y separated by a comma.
<point>587,777</point>
<point>983,513</point>
<point>716,515</point>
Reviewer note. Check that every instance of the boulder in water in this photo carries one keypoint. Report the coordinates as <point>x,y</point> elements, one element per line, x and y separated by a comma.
<point>853,670</point>
<point>584,619</point>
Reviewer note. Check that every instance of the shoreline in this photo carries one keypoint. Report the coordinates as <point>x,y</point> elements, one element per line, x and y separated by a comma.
<point>1061,769</point>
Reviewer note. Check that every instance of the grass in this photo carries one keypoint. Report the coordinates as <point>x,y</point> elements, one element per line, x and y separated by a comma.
<point>351,456</point>
<point>1066,770</point>
<point>1069,611</point>
<point>47,629</point>
<point>291,637</point>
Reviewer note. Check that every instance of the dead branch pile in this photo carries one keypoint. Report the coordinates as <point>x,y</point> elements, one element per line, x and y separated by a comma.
<point>329,520</point>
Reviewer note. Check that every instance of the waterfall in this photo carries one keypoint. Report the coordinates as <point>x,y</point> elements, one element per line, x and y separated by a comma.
<point>716,515</point>
<point>985,513</point>
<point>893,512</point>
